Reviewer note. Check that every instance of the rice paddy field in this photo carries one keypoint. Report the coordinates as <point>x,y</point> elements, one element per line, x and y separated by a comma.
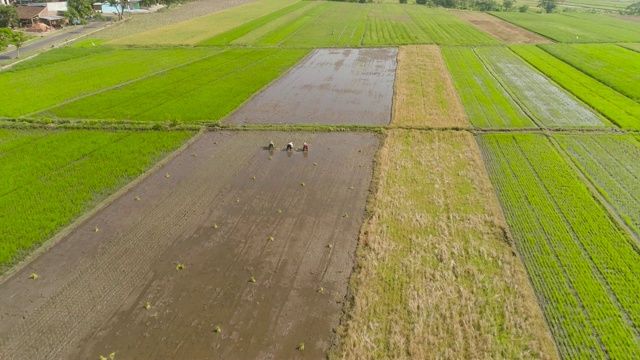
<point>470,188</point>
<point>575,28</point>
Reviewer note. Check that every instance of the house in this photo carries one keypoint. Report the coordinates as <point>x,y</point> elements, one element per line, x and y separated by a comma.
<point>49,14</point>
<point>30,15</point>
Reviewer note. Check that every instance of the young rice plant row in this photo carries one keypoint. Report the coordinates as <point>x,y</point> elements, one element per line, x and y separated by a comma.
<point>583,266</point>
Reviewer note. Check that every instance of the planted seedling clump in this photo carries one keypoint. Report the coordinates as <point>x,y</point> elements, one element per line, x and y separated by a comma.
<point>180,267</point>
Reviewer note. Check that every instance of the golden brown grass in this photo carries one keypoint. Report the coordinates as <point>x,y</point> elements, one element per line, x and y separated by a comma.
<point>436,277</point>
<point>424,94</point>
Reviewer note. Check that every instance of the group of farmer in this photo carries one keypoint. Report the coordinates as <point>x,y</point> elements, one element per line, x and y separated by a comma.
<point>305,146</point>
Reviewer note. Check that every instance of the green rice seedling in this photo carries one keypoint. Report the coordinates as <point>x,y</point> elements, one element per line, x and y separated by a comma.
<point>252,279</point>
<point>137,198</point>
<point>217,329</point>
<point>279,211</point>
<point>96,229</point>
<point>33,276</point>
<point>180,267</point>
<point>330,246</point>
<point>301,184</point>
<point>147,305</point>
<point>301,347</point>
<point>215,226</point>
<point>167,175</point>
<point>321,290</point>
<point>270,238</point>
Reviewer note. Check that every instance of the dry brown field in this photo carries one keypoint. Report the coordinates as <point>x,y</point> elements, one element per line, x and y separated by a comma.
<point>330,86</point>
<point>500,29</point>
<point>437,276</point>
<point>424,94</point>
<point>231,212</point>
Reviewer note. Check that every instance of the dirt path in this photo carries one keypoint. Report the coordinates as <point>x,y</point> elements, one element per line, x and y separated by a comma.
<point>500,29</point>
<point>331,86</point>
<point>92,287</point>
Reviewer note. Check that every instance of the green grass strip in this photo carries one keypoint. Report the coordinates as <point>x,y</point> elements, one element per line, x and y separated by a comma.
<point>227,37</point>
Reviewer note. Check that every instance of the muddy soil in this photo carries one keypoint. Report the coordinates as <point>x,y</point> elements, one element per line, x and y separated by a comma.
<point>210,215</point>
<point>500,29</point>
<point>331,86</point>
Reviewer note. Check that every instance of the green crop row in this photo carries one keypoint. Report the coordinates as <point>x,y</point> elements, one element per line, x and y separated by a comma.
<point>390,24</point>
<point>611,164</point>
<point>486,102</point>
<point>60,175</point>
<point>634,47</point>
<point>545,102</point>
<point>616,107</point>
<point>336,24</point>
<point>582,265</point>
<point>613,65</point>
<point>447,29</point>
<point>584,28</point>
<point>44,86</point>
<point>227,37</point>
<point>206,90</point>
<point>58,55</point>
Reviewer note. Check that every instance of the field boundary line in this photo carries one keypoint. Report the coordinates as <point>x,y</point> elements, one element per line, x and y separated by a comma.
<point>522,27</point>
<point>52,241</point>
<point>118,85</point>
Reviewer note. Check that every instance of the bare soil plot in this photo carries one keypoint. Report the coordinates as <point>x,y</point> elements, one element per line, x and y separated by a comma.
<point>331,86</point>
<point>424,92</point>
<point>500,29</point>
<point>209,214</point>
<point>437,277</point>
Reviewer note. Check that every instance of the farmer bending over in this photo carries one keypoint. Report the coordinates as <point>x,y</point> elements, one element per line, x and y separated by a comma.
<point>305,147</point>
<point>290,146</point>
<point>271,146</point>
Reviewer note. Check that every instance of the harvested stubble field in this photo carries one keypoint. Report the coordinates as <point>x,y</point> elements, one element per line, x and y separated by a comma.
<point>37,85</point>
<point>204,90</point>
<point>57,176</point>
<point>500,29</point>
<point>145,22</point>
<point>613,65</point>
<point>424,94</point>
<point>331,86</point>
<point>575,28</point>
<point>616,107</point>
<point>436,278</point>
<point>583,265</point>
<point>266,260</point>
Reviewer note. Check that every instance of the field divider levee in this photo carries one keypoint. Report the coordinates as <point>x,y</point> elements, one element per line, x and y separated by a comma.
<point>118,85</point>
<point>47,244</point>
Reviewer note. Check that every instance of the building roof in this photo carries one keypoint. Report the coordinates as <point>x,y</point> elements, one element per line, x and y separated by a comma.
<point>29,12</point>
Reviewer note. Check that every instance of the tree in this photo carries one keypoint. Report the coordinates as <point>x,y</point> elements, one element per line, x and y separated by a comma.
<point>421,2</point>
<point>403,1</point>
<point>548,5</point>
<point>120,5</point>
<point>508,4</point>
<point>79,9</point>
<point>5,37</point>
<point>524,8</point>
<point>18,38</point>
<point>633,9</point>
<point>8,16</point>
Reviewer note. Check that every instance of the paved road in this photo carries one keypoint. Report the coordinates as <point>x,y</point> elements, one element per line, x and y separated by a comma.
<point>47,41</point>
